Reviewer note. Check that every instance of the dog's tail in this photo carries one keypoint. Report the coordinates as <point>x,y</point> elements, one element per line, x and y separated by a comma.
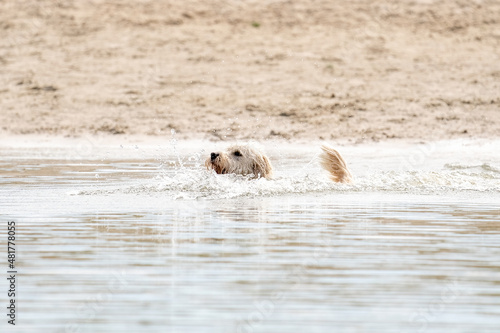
<point>333,162</point>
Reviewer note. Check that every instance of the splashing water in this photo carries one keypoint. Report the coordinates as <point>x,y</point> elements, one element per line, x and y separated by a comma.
<point>179,173</point>
<point>195,182</point>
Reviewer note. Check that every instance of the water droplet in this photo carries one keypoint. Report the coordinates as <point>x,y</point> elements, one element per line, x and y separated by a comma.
<point>97,175</point>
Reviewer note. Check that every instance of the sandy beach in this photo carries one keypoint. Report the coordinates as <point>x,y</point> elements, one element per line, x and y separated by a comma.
<point>301,70</point>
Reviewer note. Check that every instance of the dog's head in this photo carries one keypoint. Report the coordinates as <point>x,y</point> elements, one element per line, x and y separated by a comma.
<point>242,160</point>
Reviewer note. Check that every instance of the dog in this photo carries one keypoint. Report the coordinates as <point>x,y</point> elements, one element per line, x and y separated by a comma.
<point>247,160</point>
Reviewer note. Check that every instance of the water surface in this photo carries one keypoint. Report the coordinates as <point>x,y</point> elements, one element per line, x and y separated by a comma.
<point>135,238</point>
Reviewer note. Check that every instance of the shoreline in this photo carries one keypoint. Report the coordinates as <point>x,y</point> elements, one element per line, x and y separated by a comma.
<point>147,147</point>
<point>103,140</point>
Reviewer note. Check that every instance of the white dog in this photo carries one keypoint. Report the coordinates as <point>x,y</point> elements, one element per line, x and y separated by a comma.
<point>246,160</point>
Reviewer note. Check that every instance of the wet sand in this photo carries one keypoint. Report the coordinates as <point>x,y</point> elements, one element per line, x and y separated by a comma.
<point>233,70</point>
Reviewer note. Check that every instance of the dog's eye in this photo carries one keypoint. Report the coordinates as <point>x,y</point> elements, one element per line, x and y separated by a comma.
<point>237,153</point>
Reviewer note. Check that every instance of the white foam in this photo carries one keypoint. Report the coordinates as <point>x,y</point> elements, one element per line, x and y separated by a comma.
<point>400,167</point>
<point>194,183</point>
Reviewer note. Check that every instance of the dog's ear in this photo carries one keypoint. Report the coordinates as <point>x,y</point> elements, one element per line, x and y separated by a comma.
<point>262,167</point>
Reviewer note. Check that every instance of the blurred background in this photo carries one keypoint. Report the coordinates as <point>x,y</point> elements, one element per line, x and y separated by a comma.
<point>226,69</point>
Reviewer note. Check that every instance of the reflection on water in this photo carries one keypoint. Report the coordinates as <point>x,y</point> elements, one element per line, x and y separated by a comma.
<point>340,260</point>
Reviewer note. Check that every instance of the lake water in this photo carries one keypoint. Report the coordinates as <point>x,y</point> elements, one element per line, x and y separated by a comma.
<point>138,237</point>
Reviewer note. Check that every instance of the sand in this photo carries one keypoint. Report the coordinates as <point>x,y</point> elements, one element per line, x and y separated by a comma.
<point>251,70</point>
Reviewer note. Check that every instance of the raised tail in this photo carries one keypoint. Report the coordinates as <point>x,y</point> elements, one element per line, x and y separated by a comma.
<point>333,162</point>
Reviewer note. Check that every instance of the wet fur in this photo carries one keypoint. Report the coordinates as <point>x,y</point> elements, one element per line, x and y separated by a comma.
<point>251,162</point>
<point>332,161</point>
<point>255,163</point>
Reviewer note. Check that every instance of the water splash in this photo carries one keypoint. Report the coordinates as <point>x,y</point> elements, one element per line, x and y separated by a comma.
<point>194,182</point>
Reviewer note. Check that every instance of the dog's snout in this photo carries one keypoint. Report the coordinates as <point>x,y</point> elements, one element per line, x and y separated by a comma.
<point>213,156</point>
